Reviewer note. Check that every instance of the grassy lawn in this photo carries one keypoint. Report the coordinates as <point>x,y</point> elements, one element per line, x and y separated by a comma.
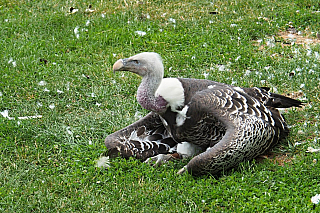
<point>58,65</point>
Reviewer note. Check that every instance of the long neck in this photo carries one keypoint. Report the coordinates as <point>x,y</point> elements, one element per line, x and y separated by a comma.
<point>146,94</point>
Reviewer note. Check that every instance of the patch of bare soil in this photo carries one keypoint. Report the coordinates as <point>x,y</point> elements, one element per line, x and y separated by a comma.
<point>289,38</point>
<point>276,158</point>
<point>295,95</point>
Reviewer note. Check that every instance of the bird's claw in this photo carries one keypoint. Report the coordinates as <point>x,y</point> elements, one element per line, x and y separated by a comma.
<point>183,170</point>
<point>159,159</point>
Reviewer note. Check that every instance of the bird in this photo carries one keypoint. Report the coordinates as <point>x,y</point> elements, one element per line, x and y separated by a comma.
<point>216,125</point>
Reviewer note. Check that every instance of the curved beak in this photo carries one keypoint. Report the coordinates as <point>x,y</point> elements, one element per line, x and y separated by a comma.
<point>120,65</point>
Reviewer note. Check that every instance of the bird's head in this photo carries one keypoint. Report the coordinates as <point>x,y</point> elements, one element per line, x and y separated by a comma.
<point>146,63</point>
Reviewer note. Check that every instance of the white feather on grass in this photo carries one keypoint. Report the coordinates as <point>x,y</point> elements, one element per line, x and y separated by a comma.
<point>103,162</point>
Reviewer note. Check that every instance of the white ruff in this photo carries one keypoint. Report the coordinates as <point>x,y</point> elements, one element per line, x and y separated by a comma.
<point>172,91</point>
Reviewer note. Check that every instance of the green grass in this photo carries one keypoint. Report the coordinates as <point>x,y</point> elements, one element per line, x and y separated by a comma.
<point>48,164</point>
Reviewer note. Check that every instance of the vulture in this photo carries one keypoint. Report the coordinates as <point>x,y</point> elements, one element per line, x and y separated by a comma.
<point>217,125</point>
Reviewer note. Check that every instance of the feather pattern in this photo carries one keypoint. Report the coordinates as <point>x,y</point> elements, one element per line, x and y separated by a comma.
<point>143,139</point>
<point>228,124</point>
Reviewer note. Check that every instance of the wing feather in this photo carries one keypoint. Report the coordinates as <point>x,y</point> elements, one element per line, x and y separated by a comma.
<point>143,139</point>
<point>250,128</point>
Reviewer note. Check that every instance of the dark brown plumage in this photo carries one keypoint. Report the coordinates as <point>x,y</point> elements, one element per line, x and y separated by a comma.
<point>220,125</point>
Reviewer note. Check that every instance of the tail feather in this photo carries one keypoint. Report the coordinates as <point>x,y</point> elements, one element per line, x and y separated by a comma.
<point>272,99</point>
<point>280,101</point>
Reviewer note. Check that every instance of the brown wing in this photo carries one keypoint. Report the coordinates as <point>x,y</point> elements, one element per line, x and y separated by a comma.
<point>251,128</point>
<point>143,139</point>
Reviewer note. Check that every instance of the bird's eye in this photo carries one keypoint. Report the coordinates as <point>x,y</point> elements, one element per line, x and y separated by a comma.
<point>135,61</point>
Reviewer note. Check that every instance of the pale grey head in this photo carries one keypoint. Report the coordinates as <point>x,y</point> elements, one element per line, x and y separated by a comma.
<point>146,63</point>
<point>149,66</point>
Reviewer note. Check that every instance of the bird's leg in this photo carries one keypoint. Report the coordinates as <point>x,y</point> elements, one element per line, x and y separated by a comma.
<point>182,150</point>
<point>162,158</point>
